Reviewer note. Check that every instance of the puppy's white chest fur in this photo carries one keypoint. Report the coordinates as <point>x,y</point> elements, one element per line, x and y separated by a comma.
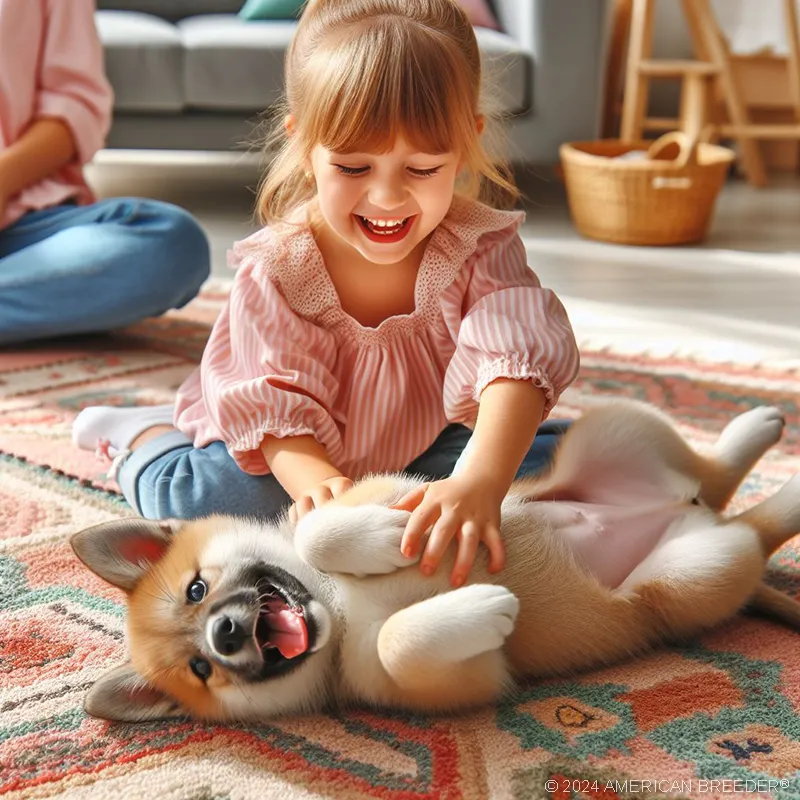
<point>367,603</point>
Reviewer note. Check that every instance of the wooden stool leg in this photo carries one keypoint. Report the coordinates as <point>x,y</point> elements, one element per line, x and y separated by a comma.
<point>793,35</point>
<point>694,102</point>
<point>634,104</point>
<point>617,47</point>
<point>704,25</point>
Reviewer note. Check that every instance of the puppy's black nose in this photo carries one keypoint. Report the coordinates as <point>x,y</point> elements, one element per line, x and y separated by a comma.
<point>227,636</point>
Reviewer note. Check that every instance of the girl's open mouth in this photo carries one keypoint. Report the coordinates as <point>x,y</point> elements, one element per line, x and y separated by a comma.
<point>383,230</point>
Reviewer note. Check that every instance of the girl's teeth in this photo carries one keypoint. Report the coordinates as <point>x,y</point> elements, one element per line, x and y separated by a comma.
<point>382,223</point>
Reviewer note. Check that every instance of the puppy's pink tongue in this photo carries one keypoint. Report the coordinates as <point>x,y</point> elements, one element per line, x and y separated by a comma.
<point>287,630</point>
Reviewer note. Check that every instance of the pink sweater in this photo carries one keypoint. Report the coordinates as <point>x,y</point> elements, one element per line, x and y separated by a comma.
<point>51,65</point>
<point>285,359</point>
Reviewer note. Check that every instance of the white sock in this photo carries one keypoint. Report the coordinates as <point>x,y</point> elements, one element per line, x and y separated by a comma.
<point>117,426</point>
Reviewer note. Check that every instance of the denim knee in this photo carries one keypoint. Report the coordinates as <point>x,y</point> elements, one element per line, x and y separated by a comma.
<point>180,255</point>
<point>188,483</point>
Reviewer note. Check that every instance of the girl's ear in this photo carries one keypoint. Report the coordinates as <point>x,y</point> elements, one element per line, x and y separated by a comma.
<point>290,123</point>
<point>480,123</point>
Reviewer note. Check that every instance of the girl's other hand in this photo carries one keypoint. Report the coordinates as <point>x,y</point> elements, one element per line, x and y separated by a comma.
<point>457,507</point>
<point>319,495</point>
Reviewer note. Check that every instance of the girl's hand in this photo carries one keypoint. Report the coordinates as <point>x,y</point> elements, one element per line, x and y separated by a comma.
<point>319,495</point>
<point>459,507</point>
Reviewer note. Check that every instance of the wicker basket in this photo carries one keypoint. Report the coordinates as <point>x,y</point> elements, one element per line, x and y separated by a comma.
<point>666,198</point>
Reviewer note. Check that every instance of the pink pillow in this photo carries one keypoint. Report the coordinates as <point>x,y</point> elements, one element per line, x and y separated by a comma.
<point>479,13</point>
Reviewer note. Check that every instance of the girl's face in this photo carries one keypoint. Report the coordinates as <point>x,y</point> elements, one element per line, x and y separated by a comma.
<point>384,205</point>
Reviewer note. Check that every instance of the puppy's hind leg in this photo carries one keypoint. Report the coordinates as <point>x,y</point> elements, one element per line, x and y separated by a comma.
<point>740,445</point>
<point>777,604</point>
<point>703,571</point>
<point>776,519</point>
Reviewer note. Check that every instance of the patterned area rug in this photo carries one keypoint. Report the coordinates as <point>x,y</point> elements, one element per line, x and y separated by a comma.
<point>703,720</point>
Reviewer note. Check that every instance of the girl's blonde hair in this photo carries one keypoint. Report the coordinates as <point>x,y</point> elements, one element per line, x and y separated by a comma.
<point>360,72</point>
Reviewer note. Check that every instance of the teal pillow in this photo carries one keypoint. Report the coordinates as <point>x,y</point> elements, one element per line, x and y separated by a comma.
<point>271,9</point>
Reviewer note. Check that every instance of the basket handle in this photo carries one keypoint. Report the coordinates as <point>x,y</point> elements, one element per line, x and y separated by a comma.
<point>675,146</point>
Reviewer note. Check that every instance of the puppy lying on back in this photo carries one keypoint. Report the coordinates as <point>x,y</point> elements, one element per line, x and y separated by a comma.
<point>621,546</point>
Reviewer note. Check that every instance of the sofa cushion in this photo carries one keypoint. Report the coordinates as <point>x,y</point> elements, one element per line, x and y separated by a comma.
<point>230,63</point>
<point>144,60</point>
<point>233,64</point>
<point>271,9</point>
<point>479,12</point>
<point>173,9</point>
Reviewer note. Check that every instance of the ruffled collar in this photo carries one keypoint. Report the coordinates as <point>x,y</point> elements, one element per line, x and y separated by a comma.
<point>288,254</point>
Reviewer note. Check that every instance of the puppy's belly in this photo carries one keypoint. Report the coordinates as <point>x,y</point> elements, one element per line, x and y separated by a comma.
<point>609,541</point>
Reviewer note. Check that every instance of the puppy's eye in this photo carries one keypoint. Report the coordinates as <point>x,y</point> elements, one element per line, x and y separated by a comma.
<point>197,591</point>
<point>200,667</point>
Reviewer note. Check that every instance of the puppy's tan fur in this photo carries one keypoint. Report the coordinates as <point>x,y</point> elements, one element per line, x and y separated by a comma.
<point>395,638</point>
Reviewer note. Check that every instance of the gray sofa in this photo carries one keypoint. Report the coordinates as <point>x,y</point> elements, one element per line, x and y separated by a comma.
<point>191,75</point>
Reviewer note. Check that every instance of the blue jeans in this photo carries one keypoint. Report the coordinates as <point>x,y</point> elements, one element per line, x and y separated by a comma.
<point>82,269</point>
<point>169,478</point>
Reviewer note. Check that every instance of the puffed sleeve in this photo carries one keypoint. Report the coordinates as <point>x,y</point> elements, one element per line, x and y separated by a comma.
<point>505,325</point>
<point>72,81</point>
<point>267,371</point>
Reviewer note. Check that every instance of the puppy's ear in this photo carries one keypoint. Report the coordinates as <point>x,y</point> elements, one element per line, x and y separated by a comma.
<point>121,551</point>
<point>122,695</point>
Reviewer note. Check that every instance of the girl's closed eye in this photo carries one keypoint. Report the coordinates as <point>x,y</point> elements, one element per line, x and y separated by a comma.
<point>424,173</point>
<point>351,170</point>
<point>419,173</point>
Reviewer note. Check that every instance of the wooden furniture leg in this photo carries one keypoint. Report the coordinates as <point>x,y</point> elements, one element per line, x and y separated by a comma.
<point>793,35</point>
<point>694,104</point>
<point>704,28</point>
<point>615,65</point>
<point>634,104</point>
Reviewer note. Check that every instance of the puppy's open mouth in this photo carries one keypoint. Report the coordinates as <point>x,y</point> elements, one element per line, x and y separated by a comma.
<point>281,631</point>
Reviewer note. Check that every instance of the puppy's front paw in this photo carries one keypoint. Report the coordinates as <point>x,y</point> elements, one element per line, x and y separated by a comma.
<point>357,540</point>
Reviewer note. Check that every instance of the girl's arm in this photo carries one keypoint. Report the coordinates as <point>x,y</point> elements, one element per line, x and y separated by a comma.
<point>298,462</point>
<point>41,151</point>
<point>301,465</point>
<point>509,413</point>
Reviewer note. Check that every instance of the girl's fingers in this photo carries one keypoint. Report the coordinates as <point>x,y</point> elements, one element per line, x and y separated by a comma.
<point>293,513</point>
<point>441,536</point>
<point>467,548</point>
<point>303,505</point>
<point>411,499</point>
<point>339,487</point>
<point>421,519</point>
<point>320,495</point>
<point>497,554</point>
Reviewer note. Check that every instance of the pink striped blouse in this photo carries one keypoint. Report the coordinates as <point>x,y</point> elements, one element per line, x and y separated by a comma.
<point>285,359</point>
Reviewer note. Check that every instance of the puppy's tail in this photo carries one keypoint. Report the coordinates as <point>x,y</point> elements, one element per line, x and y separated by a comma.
<point>776,604</point>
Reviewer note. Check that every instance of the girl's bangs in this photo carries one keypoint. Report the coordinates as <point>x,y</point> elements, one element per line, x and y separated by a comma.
<point>370,95</point>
